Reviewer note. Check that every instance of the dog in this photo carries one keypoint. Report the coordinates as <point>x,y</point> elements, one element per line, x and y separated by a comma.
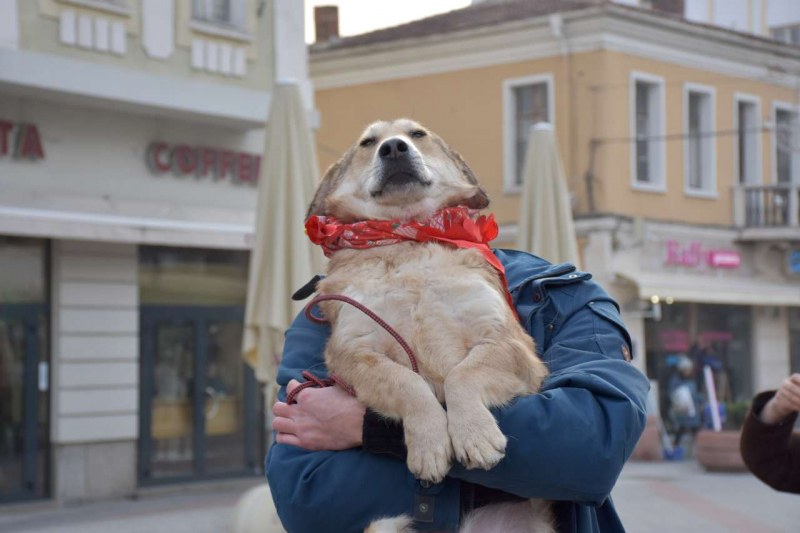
<point>449,304</point>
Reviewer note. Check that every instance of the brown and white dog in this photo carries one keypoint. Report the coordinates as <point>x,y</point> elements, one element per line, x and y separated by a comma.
<point>448,303</point>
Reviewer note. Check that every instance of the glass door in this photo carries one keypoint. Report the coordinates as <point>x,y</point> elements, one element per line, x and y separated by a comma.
<point>200,403</point>
<point>24,385</point>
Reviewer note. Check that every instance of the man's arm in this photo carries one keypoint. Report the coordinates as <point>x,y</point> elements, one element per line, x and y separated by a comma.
<point>340,491</point>
<point>570,441</point>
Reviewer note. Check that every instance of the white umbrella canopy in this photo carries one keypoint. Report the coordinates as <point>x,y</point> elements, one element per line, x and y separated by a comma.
<point>546,227</point>
<point>282,258</point>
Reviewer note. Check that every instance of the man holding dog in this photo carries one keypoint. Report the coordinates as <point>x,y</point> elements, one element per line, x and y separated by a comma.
<point>337,466</point>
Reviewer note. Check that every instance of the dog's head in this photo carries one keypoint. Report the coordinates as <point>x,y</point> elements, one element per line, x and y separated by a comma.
<point>396,170</point>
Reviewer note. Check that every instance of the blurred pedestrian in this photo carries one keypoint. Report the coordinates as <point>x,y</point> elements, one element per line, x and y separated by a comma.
<point>685,400</point>
<point>770,447</point>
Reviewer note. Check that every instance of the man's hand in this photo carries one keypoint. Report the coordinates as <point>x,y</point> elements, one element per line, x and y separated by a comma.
<point>322,419</point>
<point>785,402</point>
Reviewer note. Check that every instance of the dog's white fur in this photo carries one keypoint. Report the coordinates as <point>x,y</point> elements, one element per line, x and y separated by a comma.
<point>449,305</point>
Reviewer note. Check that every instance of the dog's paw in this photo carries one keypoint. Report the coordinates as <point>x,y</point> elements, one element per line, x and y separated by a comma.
<point>430,452</point>
<point>477,441</point>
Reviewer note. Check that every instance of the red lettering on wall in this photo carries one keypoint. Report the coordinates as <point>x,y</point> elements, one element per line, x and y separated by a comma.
<point>29,145</point>
<point>244,168</point>
<point>5,129</point>
<point>226,163</point>
<point>207,161</point>
<point>184,160</point>
<point>155,160</point>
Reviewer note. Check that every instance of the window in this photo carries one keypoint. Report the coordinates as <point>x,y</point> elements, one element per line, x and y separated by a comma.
<point>748,135</point>
<point>528,101</point>
<point>647,95</point>
<point>699,141</point>
<point>787,34</point>
<point>785,140</point>
<point>224,12</point>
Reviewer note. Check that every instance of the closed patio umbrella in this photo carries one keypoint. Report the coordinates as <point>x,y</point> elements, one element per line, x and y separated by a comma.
<point>282,258</point>
<point>546,227</point>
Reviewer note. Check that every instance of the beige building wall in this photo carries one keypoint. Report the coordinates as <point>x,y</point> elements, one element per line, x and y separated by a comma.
<point>592,96</point>
<point>40,27</point>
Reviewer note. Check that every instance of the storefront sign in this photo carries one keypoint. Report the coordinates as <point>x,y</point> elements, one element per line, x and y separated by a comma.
<point>20,141</point>
<point>202,162</point>
<point>695,255</point>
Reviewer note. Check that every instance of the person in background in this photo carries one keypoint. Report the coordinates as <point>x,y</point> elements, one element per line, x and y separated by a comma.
<point>685,400</point>
<point>770,448</point>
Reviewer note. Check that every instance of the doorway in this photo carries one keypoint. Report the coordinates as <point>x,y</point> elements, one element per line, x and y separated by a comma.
<point>200,404</point>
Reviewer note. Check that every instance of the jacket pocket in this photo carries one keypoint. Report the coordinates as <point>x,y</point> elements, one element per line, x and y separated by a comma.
<point>610,331</point>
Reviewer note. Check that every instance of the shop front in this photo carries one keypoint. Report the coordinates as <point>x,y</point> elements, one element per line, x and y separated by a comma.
<point>124,255</point>
<point>702,294</point>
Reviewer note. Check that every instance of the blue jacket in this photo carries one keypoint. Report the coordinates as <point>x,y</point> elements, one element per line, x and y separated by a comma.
<point>568,443</point>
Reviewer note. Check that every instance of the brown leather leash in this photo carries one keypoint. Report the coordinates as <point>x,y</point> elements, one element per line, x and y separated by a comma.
<point>314,381</point>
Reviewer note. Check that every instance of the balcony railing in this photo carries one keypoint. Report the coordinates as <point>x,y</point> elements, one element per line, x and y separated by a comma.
<point>767,206</point>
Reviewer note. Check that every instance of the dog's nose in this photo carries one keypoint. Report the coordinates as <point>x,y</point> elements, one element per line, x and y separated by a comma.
<point>393,149</point>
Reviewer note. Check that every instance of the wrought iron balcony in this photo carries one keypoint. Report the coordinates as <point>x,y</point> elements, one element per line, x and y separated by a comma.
<point>767,211</point>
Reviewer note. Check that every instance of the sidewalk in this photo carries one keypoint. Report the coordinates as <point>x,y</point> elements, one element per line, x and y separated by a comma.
<point>682,497</point>
<point>651,497</point>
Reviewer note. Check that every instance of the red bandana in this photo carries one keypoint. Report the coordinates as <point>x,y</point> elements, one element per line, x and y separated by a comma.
<point>454,226</point>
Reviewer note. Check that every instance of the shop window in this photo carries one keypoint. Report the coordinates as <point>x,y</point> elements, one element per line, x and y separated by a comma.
<point>748,126</point>
<point>647,97</point>
<point>189,276</point>
<point>786,140</point>
<point>715,335</point>
<point>528,101</point>
<point>221,12</point>
<point>699,143</point>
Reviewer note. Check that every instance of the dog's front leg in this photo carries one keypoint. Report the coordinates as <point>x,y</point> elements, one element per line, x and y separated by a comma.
<point>397,392</point>
<point>492,374</point>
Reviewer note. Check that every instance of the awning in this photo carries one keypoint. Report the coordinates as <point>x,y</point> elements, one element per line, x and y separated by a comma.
<point>711,289</point>
<point>55,224</point>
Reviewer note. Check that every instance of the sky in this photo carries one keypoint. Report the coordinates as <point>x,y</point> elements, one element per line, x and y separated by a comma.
<point>359,16</point>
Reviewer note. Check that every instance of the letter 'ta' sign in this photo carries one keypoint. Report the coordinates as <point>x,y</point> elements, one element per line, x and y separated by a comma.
<point>20,141</point>
<point>202,162</point>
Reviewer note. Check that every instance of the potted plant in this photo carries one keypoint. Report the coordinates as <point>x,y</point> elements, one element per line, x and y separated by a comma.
<point>718,451</point>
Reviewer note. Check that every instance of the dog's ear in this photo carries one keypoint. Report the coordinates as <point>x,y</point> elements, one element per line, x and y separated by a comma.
<point>479,200</point>
<point>329,182</point>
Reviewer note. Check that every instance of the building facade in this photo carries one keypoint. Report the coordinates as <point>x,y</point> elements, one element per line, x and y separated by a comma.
<point>131,134</point>
<point>679,141</point>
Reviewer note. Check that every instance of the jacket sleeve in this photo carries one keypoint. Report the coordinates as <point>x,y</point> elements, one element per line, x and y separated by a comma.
<point>570,441</point>
<point>771,452</point>
<point>340,491</point>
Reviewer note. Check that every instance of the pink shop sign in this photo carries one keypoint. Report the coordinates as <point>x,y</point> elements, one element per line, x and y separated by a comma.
<point>696,255</point>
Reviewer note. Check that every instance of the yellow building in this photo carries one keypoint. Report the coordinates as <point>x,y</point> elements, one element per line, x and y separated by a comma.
<point>679,141</point>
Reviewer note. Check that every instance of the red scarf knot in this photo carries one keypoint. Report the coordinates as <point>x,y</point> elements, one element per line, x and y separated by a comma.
<point>459,227</point>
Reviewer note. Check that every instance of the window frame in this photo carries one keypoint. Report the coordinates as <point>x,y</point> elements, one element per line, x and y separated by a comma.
<point>660,166</point>
<point>778,105</point>
<point>756,102</point>
<point>237,21</point>
<point>709,190</point>
<point>510,185</point>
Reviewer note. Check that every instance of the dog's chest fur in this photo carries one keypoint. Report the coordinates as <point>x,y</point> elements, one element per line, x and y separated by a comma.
<point>442,300</point>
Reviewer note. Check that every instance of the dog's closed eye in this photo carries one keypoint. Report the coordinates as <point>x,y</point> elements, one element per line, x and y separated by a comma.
<point>368,141</point>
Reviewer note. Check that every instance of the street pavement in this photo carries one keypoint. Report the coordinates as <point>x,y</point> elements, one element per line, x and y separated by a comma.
<point>651,497</point>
